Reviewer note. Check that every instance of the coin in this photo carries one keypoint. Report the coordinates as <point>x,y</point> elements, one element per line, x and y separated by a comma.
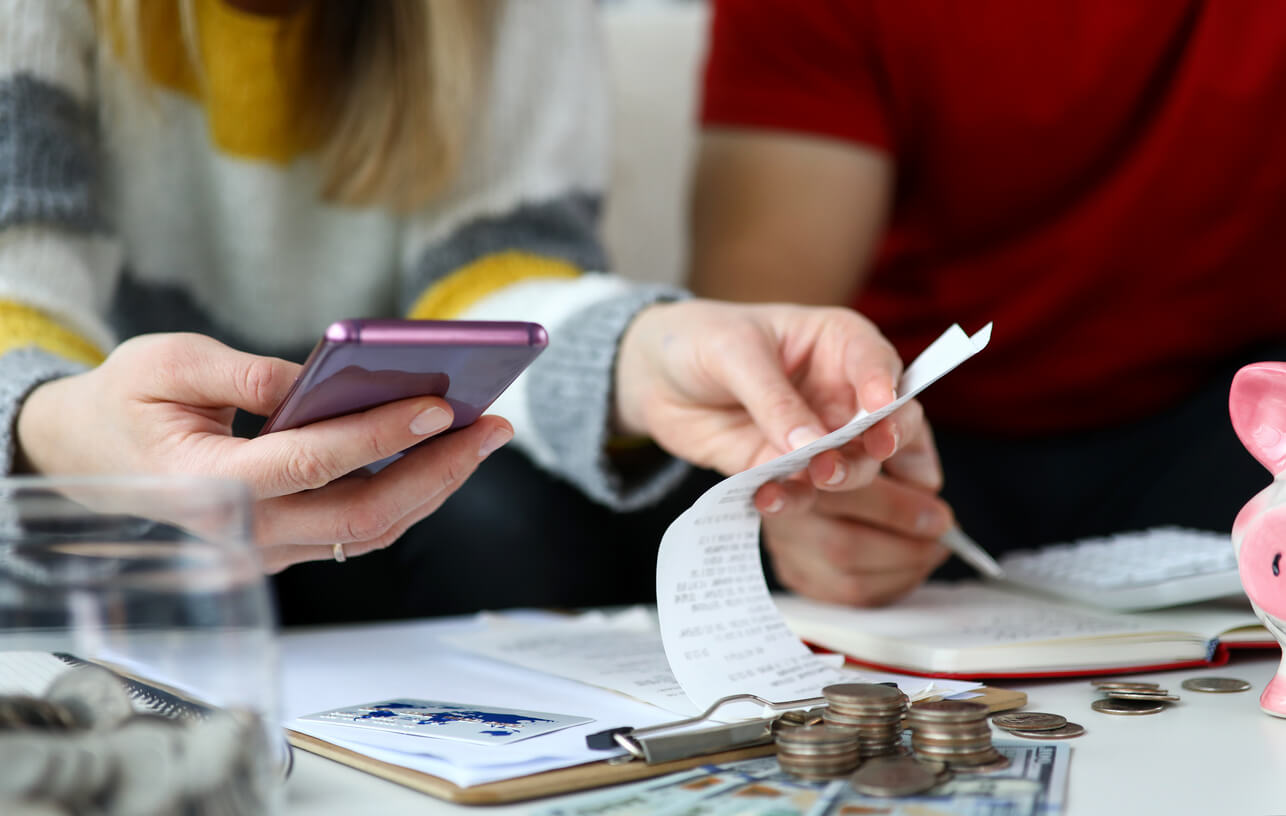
<point>998,764</point>
<point>1068,731</point>
<point>947,711</point>
<point>1159,696</point>
<point>863,694</point>
<point>1124,683</point>
<point>93,694</point>
<point>901,776</point>
<point>1127,706</point>
<point>18,711</point>
<point>1029,721</point>
<point>1215,685</point>
<point>806,736</point>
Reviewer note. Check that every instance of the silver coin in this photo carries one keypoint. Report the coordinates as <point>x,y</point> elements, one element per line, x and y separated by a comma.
<point>1029,721</point>
<point>1067,731</point>
<point>896,776</point>
<point>210,751</point>
<point>27,759</point>
<point>1215,685</point>
<point>1127,706</point>
<point>1124,683</point>
<point>998,764</point>
<point>1160,697</point>
<point>815,735</point>
<point>93,694</point>
<point>146,756</point>
<point>947,711</point>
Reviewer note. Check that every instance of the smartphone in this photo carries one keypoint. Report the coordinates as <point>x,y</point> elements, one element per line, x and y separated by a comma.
<point>359,364</point>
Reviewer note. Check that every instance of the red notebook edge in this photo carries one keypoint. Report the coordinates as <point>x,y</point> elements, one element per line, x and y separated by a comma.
<point>1219,656</point>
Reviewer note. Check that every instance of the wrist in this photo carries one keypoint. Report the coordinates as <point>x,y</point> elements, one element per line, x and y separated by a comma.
<point>628,419</point>
<point>30,436</point>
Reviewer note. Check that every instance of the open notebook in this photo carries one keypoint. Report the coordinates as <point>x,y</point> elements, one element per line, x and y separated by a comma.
<point>976,630</point>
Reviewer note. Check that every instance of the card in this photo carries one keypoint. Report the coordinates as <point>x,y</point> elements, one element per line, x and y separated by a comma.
<point>482,725</point>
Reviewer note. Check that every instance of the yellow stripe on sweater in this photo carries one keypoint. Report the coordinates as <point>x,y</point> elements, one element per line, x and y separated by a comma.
<point>23,327</point>
<point>454,294</point>
<point>252,72</point>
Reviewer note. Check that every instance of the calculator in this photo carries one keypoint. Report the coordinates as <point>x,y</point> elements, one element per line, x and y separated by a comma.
<point>1148,569</point>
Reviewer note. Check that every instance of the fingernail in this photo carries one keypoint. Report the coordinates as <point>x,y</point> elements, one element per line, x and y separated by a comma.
<point>801,436</point>
<point>430,421</point>
<point>841,470</point>
<point>494,441</point>
<point>929,522</point>
<point>775,506</point>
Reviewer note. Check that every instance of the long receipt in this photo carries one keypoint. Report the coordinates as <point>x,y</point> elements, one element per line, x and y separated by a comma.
<point>721,630</point>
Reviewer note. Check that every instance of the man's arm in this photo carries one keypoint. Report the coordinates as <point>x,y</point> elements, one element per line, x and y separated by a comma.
<point>786,217</point>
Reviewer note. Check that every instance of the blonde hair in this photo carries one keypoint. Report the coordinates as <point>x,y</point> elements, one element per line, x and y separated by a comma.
<point>393,88</point>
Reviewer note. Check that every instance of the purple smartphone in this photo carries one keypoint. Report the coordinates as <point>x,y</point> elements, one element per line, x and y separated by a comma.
<point>359,364</point>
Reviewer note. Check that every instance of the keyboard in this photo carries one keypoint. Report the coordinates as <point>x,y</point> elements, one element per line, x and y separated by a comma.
<point>1150,569</point>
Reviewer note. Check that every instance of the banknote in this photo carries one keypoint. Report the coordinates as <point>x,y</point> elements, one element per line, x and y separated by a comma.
<point>1034,784</point>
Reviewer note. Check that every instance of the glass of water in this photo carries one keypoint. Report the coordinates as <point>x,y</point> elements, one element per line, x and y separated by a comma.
<point>138,657</point>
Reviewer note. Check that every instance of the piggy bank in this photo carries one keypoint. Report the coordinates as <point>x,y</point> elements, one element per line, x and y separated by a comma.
<point>1257,404</point>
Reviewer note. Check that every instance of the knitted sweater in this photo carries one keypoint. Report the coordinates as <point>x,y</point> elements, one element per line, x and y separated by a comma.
<point>136,204</point>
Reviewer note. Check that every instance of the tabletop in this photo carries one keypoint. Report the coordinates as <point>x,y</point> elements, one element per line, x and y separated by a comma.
<point>1208,753</point>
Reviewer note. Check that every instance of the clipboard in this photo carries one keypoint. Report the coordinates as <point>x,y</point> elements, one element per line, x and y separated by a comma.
<point>564,780</point>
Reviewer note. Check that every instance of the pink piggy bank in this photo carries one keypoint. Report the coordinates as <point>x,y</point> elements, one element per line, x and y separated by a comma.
<point>1258,408</point>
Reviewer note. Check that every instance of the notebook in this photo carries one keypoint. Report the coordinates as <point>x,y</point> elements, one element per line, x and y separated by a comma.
<point>977,630</point>
<point>30,672</point>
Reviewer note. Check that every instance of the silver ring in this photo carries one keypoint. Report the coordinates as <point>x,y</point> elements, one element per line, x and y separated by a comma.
<point>338,552</point>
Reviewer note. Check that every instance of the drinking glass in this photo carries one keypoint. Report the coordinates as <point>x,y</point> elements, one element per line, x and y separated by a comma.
<point>138,656</point>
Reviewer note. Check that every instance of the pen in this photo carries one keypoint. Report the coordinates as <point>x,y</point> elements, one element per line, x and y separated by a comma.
<point>965,547</point>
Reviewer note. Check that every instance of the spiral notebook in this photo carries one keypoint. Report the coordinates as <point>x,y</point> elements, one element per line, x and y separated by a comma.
<point>26,672</point>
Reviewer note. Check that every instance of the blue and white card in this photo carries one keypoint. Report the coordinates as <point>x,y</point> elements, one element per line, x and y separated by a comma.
<point>479,724</point>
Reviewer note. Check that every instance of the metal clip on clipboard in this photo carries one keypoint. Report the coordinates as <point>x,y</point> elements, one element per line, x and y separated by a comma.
<point>653,745</point>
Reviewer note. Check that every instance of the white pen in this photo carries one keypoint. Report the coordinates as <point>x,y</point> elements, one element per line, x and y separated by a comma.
<point>968,549</point>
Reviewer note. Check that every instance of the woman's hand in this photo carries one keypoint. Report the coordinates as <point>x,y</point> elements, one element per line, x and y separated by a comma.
<point>164,404</point>
<point>730,386</point>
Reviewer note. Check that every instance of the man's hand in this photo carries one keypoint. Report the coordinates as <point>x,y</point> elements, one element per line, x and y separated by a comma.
<point>863,547</point>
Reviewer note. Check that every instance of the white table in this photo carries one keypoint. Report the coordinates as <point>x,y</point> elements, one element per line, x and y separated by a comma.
<point>1208,754</point>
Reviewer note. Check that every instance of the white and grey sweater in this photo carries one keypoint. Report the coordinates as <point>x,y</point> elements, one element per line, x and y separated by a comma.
<point>133,204</point>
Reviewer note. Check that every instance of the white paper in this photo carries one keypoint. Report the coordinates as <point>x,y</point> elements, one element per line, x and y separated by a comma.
<point>343,666</point>
<point>620,652</point>
<point>721,631</point>
<point>623,653</point>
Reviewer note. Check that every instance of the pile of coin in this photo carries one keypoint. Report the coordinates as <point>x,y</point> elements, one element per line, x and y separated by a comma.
<point>1131,697</point>
<point>871,710</point>
<point>82,747</point>
<point>1037,725</point>
<point>956,733</point>
<point>817,751</point>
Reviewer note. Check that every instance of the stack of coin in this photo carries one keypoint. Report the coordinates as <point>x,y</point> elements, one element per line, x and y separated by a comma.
<point>955,732</point>
<point>1131,697</point>
<point>817,751</point>
<point>872,710</point>
<point>1037,725</point>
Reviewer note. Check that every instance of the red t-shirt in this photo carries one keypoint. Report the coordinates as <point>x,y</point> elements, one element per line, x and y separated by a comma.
<point>1105,180</point>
